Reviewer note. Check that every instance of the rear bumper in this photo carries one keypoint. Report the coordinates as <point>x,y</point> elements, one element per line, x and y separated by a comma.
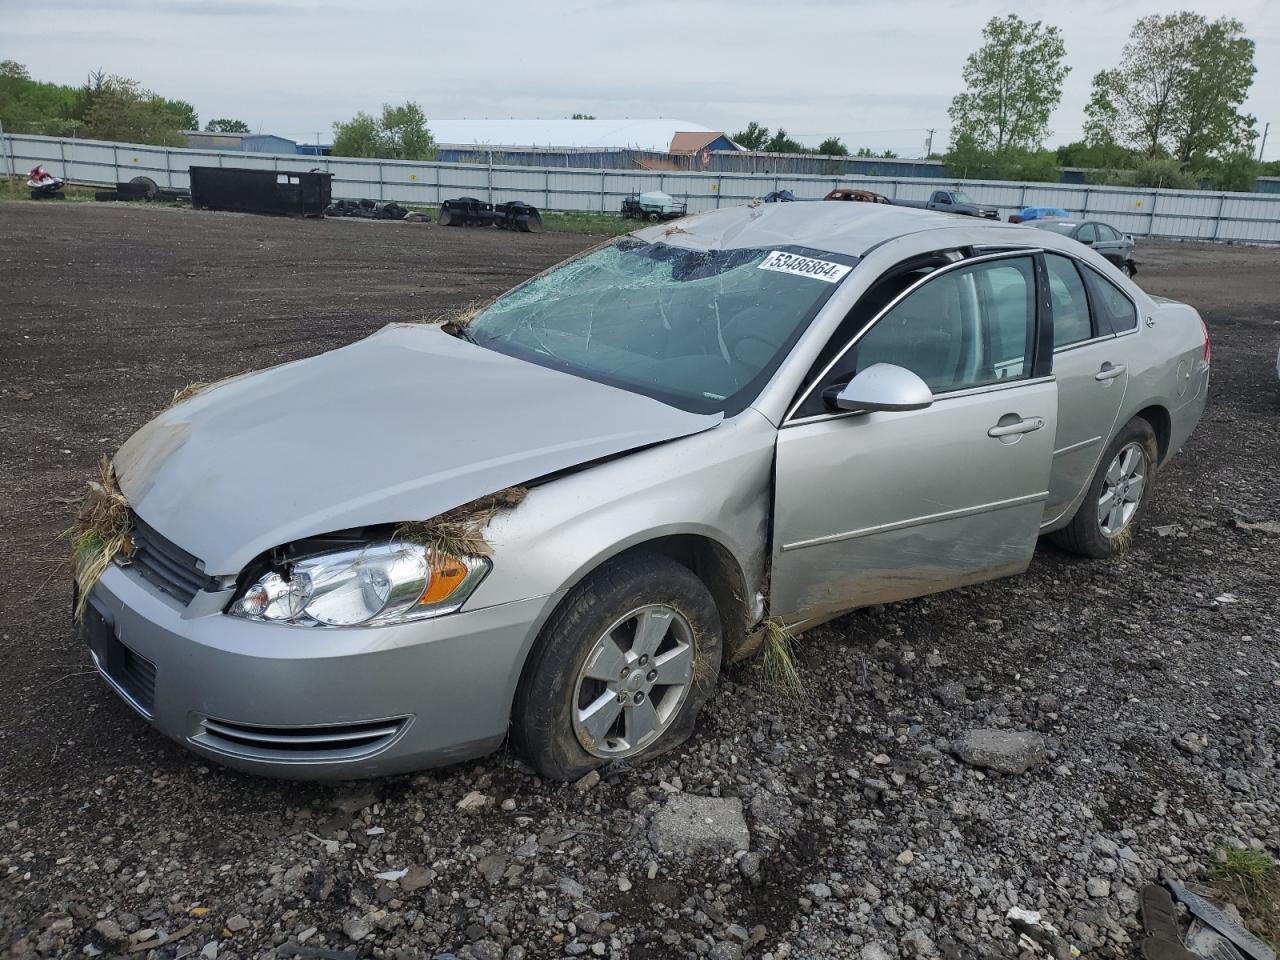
<point>310,703</point>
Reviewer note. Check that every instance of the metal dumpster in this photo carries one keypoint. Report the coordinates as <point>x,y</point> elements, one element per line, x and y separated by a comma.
<point>261,191</point>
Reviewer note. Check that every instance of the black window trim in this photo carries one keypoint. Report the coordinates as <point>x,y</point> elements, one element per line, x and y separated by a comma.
<point>1041,363</point>
<point>1137,311</point>
<point>1095,322</point>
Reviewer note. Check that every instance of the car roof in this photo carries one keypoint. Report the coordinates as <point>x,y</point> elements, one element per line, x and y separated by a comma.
<point>852,229</point>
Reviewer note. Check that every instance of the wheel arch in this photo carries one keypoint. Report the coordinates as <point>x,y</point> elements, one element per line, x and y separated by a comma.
<point>1161,422</point>
<point>711,562</point>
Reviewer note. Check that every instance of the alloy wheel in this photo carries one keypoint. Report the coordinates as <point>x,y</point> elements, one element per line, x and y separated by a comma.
<point>1122,489</point>
<point>633,682</point>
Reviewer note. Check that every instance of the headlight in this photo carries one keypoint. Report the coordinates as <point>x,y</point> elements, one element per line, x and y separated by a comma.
<point>377,584</point>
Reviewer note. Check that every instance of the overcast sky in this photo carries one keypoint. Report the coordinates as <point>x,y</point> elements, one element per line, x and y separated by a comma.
<point>876,74</point>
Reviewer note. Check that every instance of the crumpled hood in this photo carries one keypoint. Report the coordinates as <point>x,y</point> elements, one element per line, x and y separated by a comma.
<point>403,425</point>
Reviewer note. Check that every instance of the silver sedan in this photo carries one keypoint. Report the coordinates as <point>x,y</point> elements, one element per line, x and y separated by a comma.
<point>559,518</point>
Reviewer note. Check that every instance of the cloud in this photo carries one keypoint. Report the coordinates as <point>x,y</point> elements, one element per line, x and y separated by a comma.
<point>877,74</point>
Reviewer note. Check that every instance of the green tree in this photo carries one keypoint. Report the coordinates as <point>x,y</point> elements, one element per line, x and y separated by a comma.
<point>1103,154</point>
<point>968,159</point>
<point>1237,171</point>
<point>1209,122</point>
<point>400,133</point>
<point>878,154</point>
<point>405,132</point>
<point>29,106</point>
<point>184,113</point>
<point>833,147</point>
<point>1148,172</point>
<point>781,143</point>
<point>225,125</point>
<point>754,137</point>
<point>117,108</point>
<point>583,116</point>
<point>1177,90</point>
<point>357,137</point>
<point>1013,82</point>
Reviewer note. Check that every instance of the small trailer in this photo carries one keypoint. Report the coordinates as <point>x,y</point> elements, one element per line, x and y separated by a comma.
<point>246,190</point>
<point>653,206</point>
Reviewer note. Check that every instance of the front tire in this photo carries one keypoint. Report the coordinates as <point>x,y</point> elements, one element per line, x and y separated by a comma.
<point>1117,496</point>
<point>621,669</point>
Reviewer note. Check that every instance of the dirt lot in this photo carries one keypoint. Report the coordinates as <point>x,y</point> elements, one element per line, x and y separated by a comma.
<point>1154,679</point>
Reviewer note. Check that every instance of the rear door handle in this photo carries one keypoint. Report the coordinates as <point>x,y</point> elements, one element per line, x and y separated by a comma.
<point>1109,372</point>
<point>1027,425</point>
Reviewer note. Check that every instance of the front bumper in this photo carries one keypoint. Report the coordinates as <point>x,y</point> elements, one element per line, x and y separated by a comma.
<point>311,703</point>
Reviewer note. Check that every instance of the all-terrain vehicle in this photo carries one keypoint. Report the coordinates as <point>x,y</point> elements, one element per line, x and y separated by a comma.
<point>653,206</point>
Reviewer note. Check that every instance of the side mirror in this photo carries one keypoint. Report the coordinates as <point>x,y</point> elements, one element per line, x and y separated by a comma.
<point>882,386</point>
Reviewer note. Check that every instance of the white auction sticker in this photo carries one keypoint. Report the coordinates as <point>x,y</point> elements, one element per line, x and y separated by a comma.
<point>805,266</point>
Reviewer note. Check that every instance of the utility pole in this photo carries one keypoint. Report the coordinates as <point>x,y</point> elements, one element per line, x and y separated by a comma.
<point>928,146</point>
<point>1262,146</point>
<point>4,153</point>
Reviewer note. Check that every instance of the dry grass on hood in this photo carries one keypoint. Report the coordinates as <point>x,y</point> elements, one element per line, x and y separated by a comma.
<point>458,319</point>
<point>187,392</point>
<point>460,532</point>
<point>100,534</point>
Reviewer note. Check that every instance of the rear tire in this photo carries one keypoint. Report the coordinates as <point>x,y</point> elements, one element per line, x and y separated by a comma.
<point>1117,497</point>
<point>638,620</point>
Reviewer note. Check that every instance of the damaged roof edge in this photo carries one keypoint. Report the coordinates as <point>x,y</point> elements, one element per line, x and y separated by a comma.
<point>851,229</point>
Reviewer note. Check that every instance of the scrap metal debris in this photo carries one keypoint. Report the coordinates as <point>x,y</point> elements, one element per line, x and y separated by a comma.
<point>1224,939</point>
<point>1205,911</point>
<point>1037,935</point>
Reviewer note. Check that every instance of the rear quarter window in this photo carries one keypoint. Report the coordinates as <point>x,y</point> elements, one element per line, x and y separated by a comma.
<point>1111,304</point>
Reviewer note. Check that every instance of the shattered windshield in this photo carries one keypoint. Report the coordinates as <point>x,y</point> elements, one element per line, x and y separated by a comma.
<point>702,330</point>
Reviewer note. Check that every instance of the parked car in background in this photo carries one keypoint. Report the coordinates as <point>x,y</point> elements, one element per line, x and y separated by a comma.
<point>1104,238</point>
<point>779,412</point>
<point>952,201</point>
<point>1027,214</point>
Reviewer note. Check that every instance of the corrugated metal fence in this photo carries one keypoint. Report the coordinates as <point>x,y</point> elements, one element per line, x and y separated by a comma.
<point>1189,214</point>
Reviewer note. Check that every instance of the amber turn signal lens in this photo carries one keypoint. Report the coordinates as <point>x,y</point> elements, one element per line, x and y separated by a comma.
<point>447,574</point>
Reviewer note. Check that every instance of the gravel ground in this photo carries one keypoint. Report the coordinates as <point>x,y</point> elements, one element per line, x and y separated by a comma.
<point>1142,695</point>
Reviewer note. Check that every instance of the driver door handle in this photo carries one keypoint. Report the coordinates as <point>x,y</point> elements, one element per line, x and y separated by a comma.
<point>1109,372</point>
<point>1026,425</point>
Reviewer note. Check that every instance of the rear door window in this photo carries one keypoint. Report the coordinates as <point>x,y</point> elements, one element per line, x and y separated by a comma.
<point>1110,303</point>
<point>1071,323</point>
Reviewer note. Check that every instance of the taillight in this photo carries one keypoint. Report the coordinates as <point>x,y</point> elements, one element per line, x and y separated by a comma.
<point>1205,327</point>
